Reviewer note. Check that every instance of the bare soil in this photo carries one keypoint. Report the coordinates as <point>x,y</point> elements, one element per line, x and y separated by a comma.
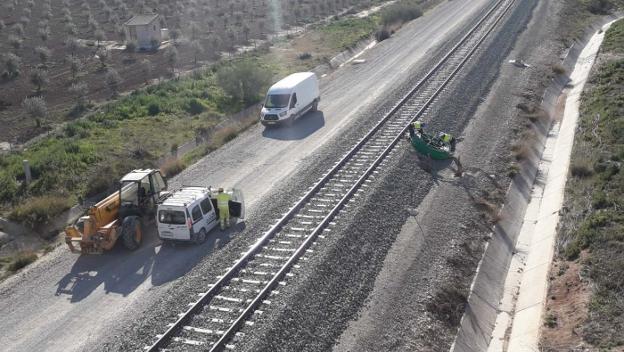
<point>568,296</point>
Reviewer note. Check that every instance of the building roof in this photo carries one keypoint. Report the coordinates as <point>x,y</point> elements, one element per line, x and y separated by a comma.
<point>141,20</point>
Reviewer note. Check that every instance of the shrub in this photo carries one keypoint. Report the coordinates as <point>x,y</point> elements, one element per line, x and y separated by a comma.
<point>305,56</point>
<point>558,69</point>
<point>599,7</point>
<point>195,106</point>
<point>131,46</point>
<point>8,188</point>
<point>243,81</point>
<point>21,260</point>
<point>35,107</point>
<point>113,80</point>
<point>12,64</point>
<point>153,109</point>
<point>580,170</point>
<point>39,210</point>
<point>400,12</point>
<point>100,182</point>
<point>550,320</point>
<point>382,34</point>
<point>172,167</point>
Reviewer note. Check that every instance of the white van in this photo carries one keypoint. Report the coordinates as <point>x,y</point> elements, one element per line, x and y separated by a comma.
<point>188,214</point>
<point>291,98</point>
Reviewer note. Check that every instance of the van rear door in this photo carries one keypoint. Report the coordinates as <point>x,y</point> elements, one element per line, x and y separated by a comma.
<point>237,204</point>
<point>172,224</point>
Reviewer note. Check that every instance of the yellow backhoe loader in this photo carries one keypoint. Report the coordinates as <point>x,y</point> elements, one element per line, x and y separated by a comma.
<point>121,214</point>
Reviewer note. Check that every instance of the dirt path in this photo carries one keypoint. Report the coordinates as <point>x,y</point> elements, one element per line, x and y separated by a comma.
<point>68,303</point>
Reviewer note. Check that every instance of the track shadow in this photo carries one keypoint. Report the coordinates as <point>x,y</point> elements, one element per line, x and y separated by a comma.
<point>303,127</point>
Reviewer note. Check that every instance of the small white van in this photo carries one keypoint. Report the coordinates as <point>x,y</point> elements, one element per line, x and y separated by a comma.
<point>188,214</point>
<point>290,99</point>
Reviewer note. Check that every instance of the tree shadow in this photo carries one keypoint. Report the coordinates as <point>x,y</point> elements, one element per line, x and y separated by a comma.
<point>303,127</point>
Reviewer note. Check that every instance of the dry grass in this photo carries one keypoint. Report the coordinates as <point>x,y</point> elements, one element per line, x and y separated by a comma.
<point>20,260</point>
<point>172,167</point>
<point>40,210</point>
<point>522,148</point>
<point>558,69</point>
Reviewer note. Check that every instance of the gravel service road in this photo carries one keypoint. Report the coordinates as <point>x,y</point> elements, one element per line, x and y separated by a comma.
<point>120,300</point>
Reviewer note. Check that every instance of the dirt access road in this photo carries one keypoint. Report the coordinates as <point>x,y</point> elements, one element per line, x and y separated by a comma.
<point>64,302</point>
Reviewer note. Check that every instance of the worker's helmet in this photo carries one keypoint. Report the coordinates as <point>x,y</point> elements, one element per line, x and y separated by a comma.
<point>220,190</point>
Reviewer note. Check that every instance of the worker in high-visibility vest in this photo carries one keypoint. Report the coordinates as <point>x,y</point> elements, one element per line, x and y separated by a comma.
<point>416,126</point>
<point>223,203</point>
<point>448,139</point>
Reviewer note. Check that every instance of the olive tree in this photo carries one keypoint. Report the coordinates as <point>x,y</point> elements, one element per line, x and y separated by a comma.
<point>40,79</point>
<point>35,107</point>
<point>12,65</point>
<point>243,81</point>
<point>113,80</point>
<point>44,55</point>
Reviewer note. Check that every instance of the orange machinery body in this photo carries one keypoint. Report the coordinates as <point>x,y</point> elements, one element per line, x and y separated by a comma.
<point>98,230</point>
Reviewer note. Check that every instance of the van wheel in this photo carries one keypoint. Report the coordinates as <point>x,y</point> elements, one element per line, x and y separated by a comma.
<point>200,237</point>
<point>315,106</point>
<point>132,232</point>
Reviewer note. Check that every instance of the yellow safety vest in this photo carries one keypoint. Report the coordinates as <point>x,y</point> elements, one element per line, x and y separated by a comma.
<point>416,125</point>
<point>223,200</point>
<point>446,138</point>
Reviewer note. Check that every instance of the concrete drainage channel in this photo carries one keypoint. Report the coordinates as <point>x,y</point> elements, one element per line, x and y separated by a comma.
<point>214,320</point>
<point>508,293</point>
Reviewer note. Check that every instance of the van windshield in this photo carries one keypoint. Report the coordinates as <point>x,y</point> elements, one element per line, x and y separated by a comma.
<point>277,101</point>
<point>173,217</point>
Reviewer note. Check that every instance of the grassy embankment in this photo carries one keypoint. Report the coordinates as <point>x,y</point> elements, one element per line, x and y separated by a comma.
<point>592,227</point>
<point>141,128</point>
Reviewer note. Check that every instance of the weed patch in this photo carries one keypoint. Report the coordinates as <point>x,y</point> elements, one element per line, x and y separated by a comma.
<point>593,220</point>
<point>39,210</point>
<point>20,260</point>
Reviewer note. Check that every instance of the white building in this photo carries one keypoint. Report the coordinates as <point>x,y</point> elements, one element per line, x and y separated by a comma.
<point>144,30</point>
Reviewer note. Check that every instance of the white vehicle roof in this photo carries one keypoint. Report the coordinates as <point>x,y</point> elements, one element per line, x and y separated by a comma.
<point>286,85</point>
<point>185,196</point>
<point>137,175</point>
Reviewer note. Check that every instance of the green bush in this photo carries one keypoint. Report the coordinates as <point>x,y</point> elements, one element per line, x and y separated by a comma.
<point>153,109</point>
<point>39,210</point>
<point>244,81</point>
<point>195,106</point>
<point>400,12</point>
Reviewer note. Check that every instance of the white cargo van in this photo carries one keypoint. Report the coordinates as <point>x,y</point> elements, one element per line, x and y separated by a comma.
<point>188,214</point>
<point>291,98</point>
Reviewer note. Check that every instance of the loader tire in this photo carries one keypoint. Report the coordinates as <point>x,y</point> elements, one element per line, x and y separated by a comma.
<point>132,232</point>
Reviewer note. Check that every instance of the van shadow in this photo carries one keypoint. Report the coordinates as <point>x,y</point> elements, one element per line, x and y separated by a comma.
<point>121,271</point>
<point>175,259</point>
<point>303,127</point>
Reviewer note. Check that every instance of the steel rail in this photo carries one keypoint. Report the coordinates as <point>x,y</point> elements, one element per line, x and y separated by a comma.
<point>165,337</point>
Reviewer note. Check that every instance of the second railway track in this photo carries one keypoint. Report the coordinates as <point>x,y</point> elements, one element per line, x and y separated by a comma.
<point>213,321</point>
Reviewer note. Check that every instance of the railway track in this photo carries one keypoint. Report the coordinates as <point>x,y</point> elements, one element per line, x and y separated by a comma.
<point>214,320</point>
